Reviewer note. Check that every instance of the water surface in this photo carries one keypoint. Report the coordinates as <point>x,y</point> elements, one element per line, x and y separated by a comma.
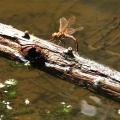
<point>100,41</point>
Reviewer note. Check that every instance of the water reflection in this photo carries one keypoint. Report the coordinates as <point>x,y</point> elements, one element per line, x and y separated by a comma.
<point>87,109</point>
<point>96,99</point>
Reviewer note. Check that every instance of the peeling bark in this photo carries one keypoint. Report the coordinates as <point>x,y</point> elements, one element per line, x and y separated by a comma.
<point>80,71</point>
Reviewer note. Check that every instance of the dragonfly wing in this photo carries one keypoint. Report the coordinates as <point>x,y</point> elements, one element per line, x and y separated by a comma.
<point>63,23</point>
<point>72,30</point>
<point>69,23</point>
<point>79,29</point>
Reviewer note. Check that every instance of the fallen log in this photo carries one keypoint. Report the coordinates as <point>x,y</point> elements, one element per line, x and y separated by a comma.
<point>62,62</point>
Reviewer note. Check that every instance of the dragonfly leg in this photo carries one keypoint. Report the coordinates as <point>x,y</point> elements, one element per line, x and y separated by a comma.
<point>61,41</point>
<point>52,40</point>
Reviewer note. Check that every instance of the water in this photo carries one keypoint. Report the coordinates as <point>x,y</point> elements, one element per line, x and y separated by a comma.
<point>100,41</point>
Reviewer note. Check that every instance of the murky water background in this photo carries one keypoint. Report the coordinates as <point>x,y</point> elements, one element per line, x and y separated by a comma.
<point>100,41</point>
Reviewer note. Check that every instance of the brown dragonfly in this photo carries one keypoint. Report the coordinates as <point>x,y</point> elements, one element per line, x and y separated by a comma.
<point>65,31</point>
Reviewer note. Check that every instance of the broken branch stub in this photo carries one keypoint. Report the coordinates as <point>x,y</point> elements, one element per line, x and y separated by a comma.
<point>80,70</point>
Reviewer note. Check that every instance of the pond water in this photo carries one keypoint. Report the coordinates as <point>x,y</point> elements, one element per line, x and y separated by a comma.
<point>99,41</point>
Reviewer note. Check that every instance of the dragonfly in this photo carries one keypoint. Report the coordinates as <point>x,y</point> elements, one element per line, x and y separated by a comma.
<point>65,31</point>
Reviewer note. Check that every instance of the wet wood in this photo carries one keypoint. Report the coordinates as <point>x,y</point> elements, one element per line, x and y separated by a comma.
<point>59,61</point>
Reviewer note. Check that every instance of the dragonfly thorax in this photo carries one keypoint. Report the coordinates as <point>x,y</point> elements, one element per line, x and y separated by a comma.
<point>57,35</point>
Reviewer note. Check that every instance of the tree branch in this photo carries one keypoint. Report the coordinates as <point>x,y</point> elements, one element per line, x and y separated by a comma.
<point>65,63</point>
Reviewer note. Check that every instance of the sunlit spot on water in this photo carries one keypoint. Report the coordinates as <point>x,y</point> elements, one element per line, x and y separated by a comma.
<point>96,99</point>
<point>87,109</point>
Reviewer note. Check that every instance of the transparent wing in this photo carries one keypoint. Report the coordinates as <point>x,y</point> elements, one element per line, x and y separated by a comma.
<point>72,30</point>
<point>79,29</point>
<point>69,23</point>
<point>63,23</point>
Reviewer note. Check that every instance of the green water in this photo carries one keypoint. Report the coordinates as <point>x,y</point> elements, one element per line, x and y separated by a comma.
<point>97,41</point>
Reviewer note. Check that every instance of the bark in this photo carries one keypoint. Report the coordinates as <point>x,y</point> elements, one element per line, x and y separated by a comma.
<point>59,61</point>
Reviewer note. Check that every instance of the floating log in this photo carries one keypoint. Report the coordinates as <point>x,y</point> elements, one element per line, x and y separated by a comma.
<point>62,62</point>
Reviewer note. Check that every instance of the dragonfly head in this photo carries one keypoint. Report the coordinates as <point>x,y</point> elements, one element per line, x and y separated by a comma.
<point>54,35</point>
